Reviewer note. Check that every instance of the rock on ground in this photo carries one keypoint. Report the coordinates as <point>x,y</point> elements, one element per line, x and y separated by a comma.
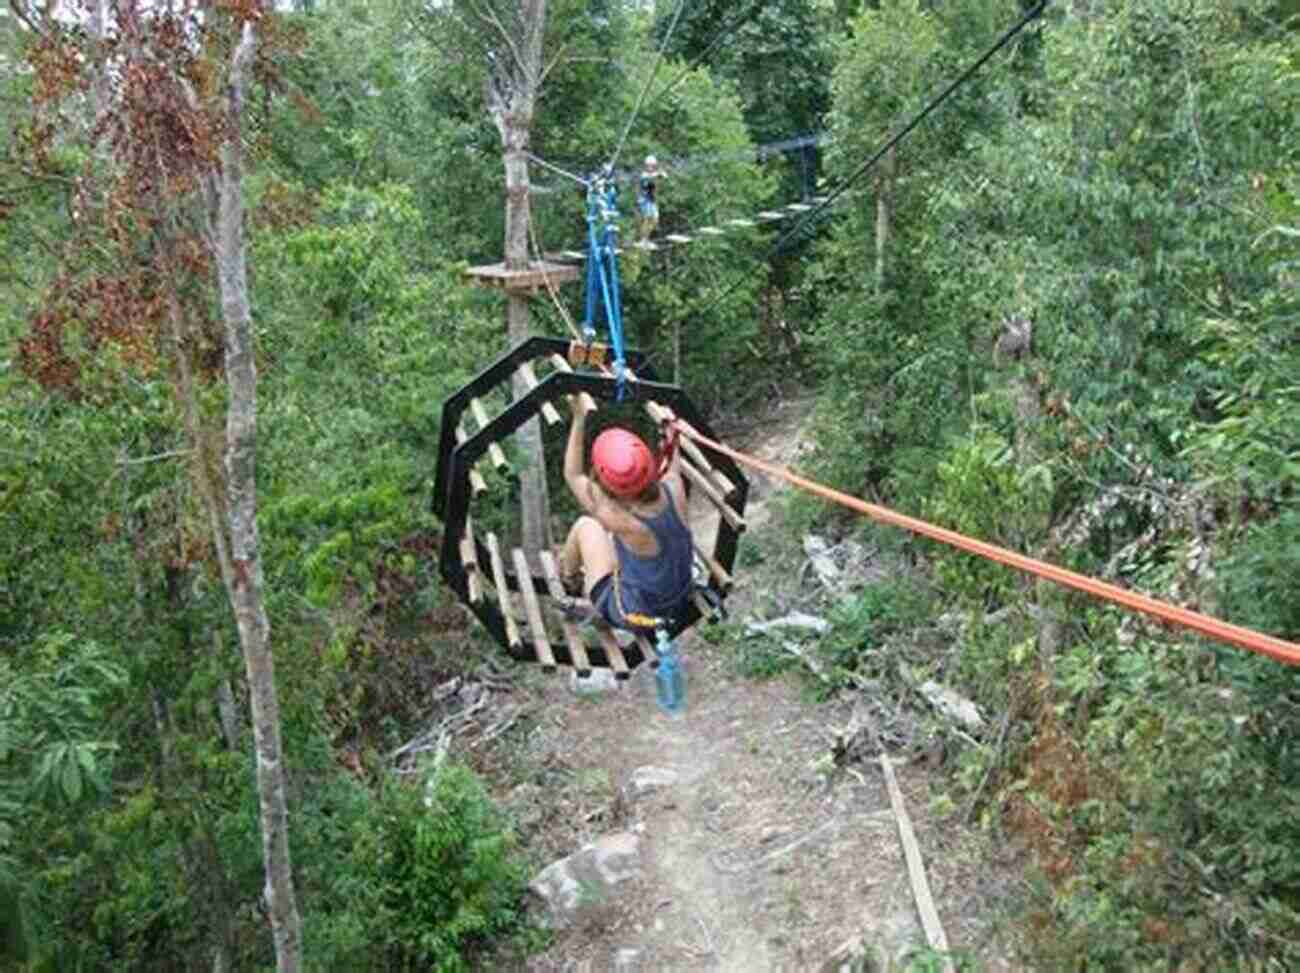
<point>587,878</point>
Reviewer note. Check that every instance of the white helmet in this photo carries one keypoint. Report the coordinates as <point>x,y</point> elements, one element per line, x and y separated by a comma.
<point>651,162</point>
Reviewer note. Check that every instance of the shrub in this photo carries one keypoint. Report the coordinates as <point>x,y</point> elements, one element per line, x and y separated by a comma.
<point>428,878</point>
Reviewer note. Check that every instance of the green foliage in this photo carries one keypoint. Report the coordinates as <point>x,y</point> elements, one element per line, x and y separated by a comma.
<point>1247,442</point>
<point>1183,845</point>
<point>777,54</point>
<point>50,713</point>
<point>427,877</point>
<point>862,626</point>
<point>982,491</point>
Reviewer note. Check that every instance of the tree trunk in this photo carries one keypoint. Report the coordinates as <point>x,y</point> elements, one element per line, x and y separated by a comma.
<point>227,712</point>
<point>512,95</point>
<point>884,214</point>
<point>244,583</point>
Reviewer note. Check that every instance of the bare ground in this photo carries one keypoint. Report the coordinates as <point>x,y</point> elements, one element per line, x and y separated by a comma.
<point>762,855</point>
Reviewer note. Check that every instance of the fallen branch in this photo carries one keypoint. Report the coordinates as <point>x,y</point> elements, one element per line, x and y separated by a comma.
<point>813,666</point>
<point>425,740</point>
<point>499,727</point>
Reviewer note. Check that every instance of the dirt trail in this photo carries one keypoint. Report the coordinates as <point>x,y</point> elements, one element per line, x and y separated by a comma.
<point>760,854</point>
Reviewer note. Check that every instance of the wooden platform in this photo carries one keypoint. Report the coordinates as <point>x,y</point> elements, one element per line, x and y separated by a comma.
<point>531,280</point>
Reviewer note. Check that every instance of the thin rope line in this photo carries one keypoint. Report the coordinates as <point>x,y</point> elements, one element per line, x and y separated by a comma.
<point>681,5</point>
<point>818,210</point>
<point>556,169</point>
<point>916,120</point>
<point>699,59</point>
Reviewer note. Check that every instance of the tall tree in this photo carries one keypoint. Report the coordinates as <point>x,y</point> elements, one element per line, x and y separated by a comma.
<point>159,219</point>
<point>513,87</point>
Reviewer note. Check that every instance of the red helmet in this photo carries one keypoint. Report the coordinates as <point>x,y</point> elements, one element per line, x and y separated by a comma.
<point>623,462</point>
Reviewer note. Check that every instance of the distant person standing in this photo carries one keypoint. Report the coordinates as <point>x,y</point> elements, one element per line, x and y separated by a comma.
<point>648,198</point>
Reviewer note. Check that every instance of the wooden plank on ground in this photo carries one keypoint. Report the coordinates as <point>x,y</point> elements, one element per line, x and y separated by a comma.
<point>915,868</point>
<point>533,611</point>
<point>577,646</point>
<point>530,379</point>
<point>503,593</point>
<point>494,449</point>
<point>613,650</point>
<point>716,498</point>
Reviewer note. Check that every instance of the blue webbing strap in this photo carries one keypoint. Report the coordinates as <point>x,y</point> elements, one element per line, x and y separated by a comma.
<point>603,286</point>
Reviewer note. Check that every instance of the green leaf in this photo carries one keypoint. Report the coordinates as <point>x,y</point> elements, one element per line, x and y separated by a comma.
<point>71,781</point>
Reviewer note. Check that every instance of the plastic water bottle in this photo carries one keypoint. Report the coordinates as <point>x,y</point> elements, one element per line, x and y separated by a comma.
<point>670,677</point>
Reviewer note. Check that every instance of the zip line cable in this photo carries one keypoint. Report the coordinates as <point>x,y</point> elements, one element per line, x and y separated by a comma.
<point>1275,648</point>
<point>820,208</point>
<point>1032,15</point>
<point>681,5</point>
<point>696,61</point>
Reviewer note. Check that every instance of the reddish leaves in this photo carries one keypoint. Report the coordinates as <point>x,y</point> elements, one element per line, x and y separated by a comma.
<point>157,78</point>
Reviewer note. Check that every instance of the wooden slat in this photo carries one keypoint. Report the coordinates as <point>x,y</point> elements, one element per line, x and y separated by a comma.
<point>494,449</point>
<point>648,650</point>
<point>577,647</point>
<point>711,231</point>
<point>678,238</point>
<point>768,214</point>
<point>469,557</point>
<point>563,365</point>
<point>659,413</point>
<point>702,603</point>
<point>614,651</point>
<point>503,593</point>
<point>477,484</point>
<point>551,572</point>
<point>710,491</point>
<point>533,610</point>
<point>740,223</point>
<point>530,379</point>
<point>720,575</point>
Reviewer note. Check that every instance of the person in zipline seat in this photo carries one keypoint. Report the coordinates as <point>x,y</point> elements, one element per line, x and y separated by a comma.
<point>632,547</point>
<point>647,198</point>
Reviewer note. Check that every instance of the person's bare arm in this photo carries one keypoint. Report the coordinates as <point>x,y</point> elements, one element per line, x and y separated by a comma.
<point>672,479</point>
<point>575,467</point>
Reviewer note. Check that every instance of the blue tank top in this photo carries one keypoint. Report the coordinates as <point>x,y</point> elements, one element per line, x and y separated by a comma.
<point>657,585</point>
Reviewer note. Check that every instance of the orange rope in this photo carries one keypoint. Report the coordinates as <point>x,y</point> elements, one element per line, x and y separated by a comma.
<point>1214,628</point>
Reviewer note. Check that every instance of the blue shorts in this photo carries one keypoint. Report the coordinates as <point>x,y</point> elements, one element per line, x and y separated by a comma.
<point>602,598</point>
<point>649,210</point>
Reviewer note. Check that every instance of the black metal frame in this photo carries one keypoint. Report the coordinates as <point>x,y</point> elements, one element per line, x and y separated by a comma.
<point>451,500</point>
